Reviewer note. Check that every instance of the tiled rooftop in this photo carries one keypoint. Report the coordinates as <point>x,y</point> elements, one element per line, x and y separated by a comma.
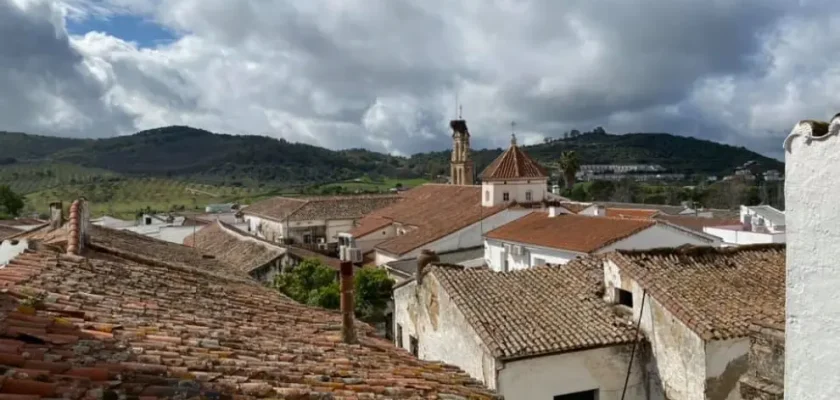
<point>319,208</point>
<point>541,310</point>
<point>431,211</point>
<point>243,252</point>
<point>513,164</point>
<point>105,327</point>
<point>716,292</point>
<point>571,232</point>
<point>697,223</point>
<point>639,213</point>
<point>6,231</point>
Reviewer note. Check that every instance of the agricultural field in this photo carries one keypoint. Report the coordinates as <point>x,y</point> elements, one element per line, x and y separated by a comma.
<point>27,178</point>
<point>366,184</point>
<point>124,197</point>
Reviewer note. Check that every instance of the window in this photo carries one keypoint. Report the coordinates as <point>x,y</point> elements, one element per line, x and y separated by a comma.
<point>505,196</point>
<point>528,196</point>
<point>538,261</point>
<point>624,297</point>
<point>414,344</point>
<point>399,336</point>
<point>486,195</point>
<point>148,220</point>
<point>587,395</point>
<point>506,266</point>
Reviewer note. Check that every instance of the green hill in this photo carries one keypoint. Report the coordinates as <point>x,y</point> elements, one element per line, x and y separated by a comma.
<point>195,155</point>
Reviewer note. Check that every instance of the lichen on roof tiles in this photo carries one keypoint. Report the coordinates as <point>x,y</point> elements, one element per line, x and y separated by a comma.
<point>717,292</point>
<point>541,310</point>
<point>102,326</point>
<point>319,208</point>
<point>239,251</point>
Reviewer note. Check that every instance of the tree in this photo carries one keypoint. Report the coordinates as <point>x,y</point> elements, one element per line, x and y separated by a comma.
<point>10,202</point>
<point>570,164</point>
<point>575,133</point>
<point>313,283</point>
<point>599,131</point>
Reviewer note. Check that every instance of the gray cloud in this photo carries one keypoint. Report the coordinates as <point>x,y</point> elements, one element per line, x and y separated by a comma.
<point>383,74</point>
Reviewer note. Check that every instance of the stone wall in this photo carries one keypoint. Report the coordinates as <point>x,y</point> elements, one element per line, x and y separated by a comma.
<point>764,379</point>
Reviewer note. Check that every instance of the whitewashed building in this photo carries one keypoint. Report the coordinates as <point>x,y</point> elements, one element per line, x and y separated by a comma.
<point>439,217</point>
<point>758,224</point>
<point>812,190</point>
<point>310,220</point>
<point>556,238</point>
<point>567,332</point>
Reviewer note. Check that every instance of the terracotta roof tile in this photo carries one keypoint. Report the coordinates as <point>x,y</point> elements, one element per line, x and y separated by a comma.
<point>697,223</point>
<point>716,292</point>
<point>513,164</point>
<point>107,327</point>
<point>540,310</point>
<point>239,251</point>
<point>631,213</point>
<point>21,222</point>
<point>309,208</point>
<point>6,231</point>
<point>572,232</point>
<point>574,206</point>
<point>429,212</point>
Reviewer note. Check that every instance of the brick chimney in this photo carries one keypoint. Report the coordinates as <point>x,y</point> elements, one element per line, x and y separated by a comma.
<point>56,215</point>
<point>79,227</point>
<point>348,330</point>
<point>426,257</point>
<point>812,219</point>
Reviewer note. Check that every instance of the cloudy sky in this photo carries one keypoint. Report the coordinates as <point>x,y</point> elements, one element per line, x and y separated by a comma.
<point>384,74</point>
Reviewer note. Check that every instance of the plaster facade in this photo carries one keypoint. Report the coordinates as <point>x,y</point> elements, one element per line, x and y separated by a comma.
<point>735,235</point>
<point>812,190</point>
<point>443,334</point>
<point>681,365</point>
<point>464,238</point>
<point>521,191</point>
<point>530,256</point>
<point>11,248</point>
<point>299,231</point>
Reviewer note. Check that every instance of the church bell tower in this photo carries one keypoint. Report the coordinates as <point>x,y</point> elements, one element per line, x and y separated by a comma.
<point>461,166</point>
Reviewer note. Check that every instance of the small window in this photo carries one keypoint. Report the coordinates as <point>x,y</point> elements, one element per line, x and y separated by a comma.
<point>624,297</point>
<point>528,196</point>
<point>148,220</point>
<point>486,195</point>
<point>505,196</point>
<point>414,344</point>
<point>399,336</point>
<point>587,395</point>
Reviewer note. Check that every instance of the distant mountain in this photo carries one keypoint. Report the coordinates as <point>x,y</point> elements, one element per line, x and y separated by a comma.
<point>185,152</point>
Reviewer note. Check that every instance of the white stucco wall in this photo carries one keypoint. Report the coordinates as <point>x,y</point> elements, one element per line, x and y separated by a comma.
<point>9,249</point>
<point>495,255</point>
<point>442,331</point>
<point>367,242</point>
<point>492,193</point>
<point>726,362</point>
<point>653,237</point>
<point>735,236</point>
<point>469,236</point>
<point>265,228</point>
<point>678,358</point>
<point>812,190</point>
<point>603,369</point>
<point>336,226</point>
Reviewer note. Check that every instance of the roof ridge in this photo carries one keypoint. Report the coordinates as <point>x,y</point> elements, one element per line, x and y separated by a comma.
<point>690,250</point>
<point>241,236</point>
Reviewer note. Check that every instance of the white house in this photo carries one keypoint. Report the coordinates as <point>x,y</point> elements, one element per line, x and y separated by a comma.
<point>812,164</point>
<point>567,332</point>
<point>312,219</point>
<point>695,306</point>
<point>557,238</point>
<point>514,176</point>
<point>439,217</point>
<point>758,224</point>
<point>543,333</point>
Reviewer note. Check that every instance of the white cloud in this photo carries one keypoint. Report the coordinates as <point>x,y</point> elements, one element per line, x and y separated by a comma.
<point>383,74</point>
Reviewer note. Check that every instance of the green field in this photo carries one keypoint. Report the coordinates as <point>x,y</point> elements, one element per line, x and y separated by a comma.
<point>27,178</point>
<point>366,184</point>
<point>124,197</point>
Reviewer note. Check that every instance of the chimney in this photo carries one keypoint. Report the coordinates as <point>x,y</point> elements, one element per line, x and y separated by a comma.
<point>552,212</point>
<point>56,215</point>
<point>600,210</point>
<point>812,187</point>
<point>348,330</point>
<point>79,227</point>
<point>426,257</point>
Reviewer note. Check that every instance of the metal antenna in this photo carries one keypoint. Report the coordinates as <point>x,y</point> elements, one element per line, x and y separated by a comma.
<point>460,111</point>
